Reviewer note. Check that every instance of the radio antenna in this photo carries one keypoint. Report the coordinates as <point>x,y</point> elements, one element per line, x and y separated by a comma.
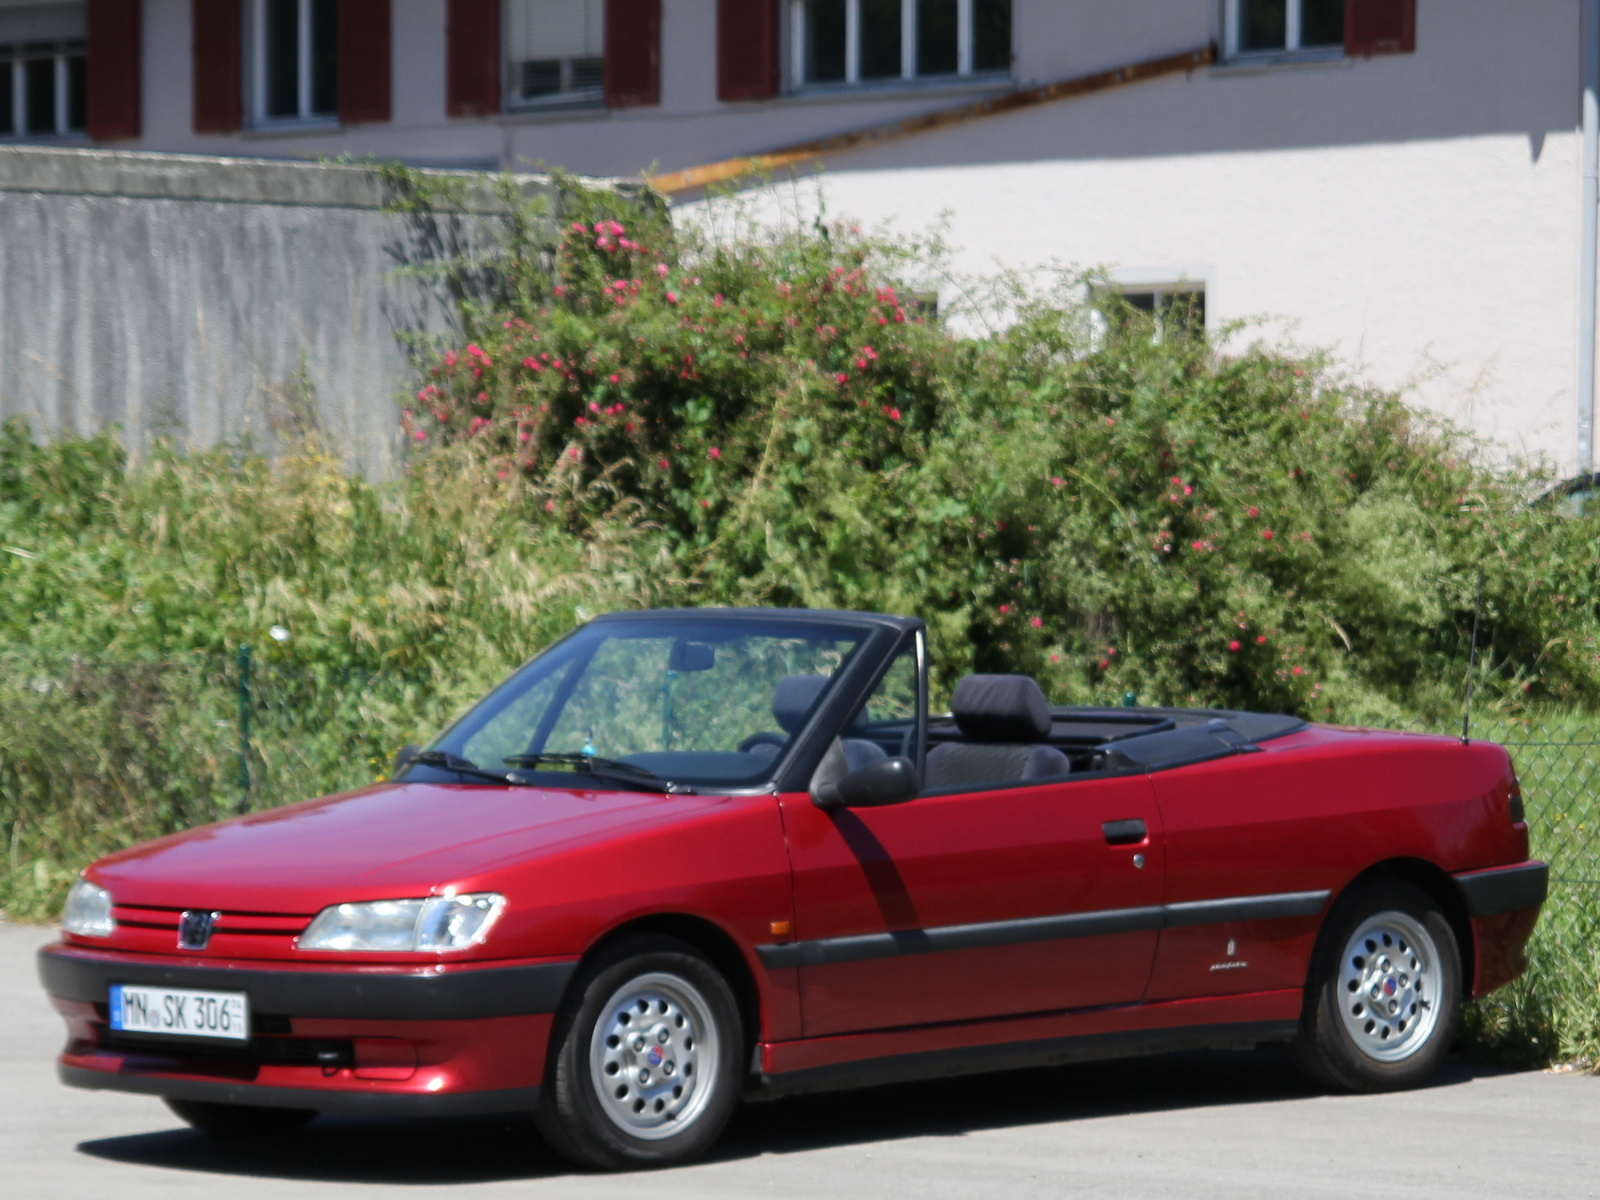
<point>1472,661</point>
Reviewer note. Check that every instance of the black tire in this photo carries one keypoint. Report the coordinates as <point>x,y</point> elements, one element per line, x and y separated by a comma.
<point>1355,1034</point>
<point>592,1130</point>
<point>240,1120</point>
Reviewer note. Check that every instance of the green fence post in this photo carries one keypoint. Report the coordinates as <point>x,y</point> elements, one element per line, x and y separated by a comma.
<point>244,725</point>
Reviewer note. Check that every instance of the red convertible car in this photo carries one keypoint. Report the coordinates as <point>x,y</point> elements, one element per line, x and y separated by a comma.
<point>681,858</point>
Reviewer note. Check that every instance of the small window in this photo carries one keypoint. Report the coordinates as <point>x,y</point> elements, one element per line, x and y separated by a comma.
<point>873,41</point>
<point>296,60</point>
<point>42,92</point>
<point>1271,27</point>
<point>555,50</point>
<point>1178,310</point>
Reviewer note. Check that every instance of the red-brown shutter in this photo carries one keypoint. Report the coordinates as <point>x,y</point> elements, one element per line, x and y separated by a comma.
<point>633,53</point>
<point>112,81</point>
<point>473,34</point>
<point>218,86</point>
<point>1380,27</point>
<point>364,60</point>
<point>747,49</point>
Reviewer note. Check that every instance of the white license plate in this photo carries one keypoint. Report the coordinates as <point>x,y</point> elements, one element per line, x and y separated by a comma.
<point>179,1012</point>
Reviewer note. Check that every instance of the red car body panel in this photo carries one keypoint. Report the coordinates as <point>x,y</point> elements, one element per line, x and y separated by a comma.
<point>976,922</point>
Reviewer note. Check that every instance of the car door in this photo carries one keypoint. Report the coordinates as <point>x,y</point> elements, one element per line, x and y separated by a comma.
<point>974,903</point>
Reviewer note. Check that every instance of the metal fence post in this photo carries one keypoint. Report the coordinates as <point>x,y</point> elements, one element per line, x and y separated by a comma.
<point>244,725</point>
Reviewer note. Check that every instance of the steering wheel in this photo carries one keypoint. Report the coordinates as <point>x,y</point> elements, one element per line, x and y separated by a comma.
<point>765,738</point>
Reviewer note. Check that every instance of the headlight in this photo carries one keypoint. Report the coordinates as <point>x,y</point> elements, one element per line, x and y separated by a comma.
<point>88,911</point>
<point>435,925</point>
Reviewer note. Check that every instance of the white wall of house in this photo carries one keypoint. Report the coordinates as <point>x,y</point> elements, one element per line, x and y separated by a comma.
<point>1417,213</point>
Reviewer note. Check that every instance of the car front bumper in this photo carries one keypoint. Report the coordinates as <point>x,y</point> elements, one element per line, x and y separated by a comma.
<point>446,1039</point>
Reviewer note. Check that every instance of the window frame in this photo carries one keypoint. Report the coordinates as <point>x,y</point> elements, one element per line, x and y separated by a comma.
<point>512,101</point>
<point>794,58</point>
<point>256,76</point>
<point>60,51</point>
<point>1292,51</point>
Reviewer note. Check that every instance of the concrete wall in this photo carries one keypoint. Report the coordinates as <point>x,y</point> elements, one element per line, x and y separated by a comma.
<point>210,300</point>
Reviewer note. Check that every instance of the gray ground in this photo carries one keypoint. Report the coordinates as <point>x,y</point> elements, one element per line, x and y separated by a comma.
<point>1231,1125</point>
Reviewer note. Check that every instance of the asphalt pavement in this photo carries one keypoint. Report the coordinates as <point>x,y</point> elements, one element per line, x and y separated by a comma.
<point>1217,1124</point>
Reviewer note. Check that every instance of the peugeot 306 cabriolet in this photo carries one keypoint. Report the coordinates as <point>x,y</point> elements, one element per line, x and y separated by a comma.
<point>684,858</point>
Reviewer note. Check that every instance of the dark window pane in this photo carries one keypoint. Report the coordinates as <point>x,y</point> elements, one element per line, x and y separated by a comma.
<point>1263,24</point>
<point>825,40</point>
<point>324,56</point>
<point>880,39</point>
<point>40,82</point>
<point>8,116</point>
<point>936,37</point>
<point>541,78</point>
<point>991,35</point>
<point>283,57</point>
<point>588,74</point>
<point>1322,23</point>
<point>77,92</point>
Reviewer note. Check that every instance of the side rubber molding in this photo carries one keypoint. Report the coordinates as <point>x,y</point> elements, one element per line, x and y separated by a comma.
<point>389,1104</point>
<point>826,951</point>
<point>1008,1056</point>
<point>350,994</point>
<point>1505,889</point>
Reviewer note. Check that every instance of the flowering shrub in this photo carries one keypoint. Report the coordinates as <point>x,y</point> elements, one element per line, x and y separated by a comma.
<point>1076,498</point>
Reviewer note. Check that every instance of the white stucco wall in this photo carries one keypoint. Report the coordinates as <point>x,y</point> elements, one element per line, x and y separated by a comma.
<point>1417,213</point>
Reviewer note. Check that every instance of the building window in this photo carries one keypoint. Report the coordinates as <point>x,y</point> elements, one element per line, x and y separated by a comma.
<point>1276,27</point>
<point>871,41</point>
<point>555,50</point>
<point>42,92</point>
<point>295,60</point>
<point>1174,310</point>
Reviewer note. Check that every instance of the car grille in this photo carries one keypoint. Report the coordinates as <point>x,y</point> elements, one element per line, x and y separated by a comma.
<point>245,934</point>
<point>330,1053</point>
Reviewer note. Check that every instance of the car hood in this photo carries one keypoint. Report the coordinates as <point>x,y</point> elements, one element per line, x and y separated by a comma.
<point>382,841</point>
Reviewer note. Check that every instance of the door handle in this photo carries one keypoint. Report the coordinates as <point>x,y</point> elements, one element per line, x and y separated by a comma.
<point>1124,833</point>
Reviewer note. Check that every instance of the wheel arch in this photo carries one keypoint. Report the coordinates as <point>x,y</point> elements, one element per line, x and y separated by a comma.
<point>710,939</point>
<point>1442,889</point>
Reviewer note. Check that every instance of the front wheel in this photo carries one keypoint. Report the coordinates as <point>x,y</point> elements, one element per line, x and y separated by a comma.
<point>1384,996</point>
<point>645,1059</point>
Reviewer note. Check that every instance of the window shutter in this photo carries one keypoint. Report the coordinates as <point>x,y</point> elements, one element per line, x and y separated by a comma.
<point>747,49</point>
<point>218,86</point>
<point>112,85</point>
<point>473,34</point>
<point>633,53</point>
<point>1380,27</point>
<point>364,60</point>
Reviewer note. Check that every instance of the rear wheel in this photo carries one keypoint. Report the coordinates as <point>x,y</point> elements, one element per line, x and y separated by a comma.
<point>240,1120</point>
<point>644,1059</point>
<point>1384,996</point>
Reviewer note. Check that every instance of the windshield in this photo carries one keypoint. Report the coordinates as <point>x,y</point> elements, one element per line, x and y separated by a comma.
<point>686,700</point>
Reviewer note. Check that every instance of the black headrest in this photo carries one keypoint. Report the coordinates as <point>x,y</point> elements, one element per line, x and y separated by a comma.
<point>1001,708</point>
<point>794,697</point>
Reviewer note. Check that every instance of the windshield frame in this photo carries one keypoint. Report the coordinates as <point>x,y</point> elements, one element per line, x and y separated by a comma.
<point>875,638</point>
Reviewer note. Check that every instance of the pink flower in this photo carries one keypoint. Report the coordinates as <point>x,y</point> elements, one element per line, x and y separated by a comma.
<point>1005,608</point>
<point>1254,512</point>
<point>575,453</point>
<point>1055,658</point>
<point>861,364</point>
<point>616,379</point>
<point>705,504</point>
<point>894,414</point>
<point>661,270</point>
<point>1234,647</point>
<point>1261,640</point>
<point>716,301</point>
<point>422,435</point>
<point>672,297</point>
<point>715,453</point>
<point>1194,546</point>
<point>1057,481</point>
<point>593,407</point>
<point>549,506</point>
<point>523,436</point>
<point>1037,622</point>
<point>1187,490</point>
<point>1176,481</point>
<point>501,474</point>
<point>843,378</point>
<point>664,465</point>
<point>1298,671</point>
<point>1266,535</point>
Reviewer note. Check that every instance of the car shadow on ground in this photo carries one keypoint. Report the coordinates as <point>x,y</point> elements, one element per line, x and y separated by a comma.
<point>487,1149</point>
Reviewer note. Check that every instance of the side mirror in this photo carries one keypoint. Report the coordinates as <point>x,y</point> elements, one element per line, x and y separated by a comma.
<point>886,781</point>
<point>402,760</point>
